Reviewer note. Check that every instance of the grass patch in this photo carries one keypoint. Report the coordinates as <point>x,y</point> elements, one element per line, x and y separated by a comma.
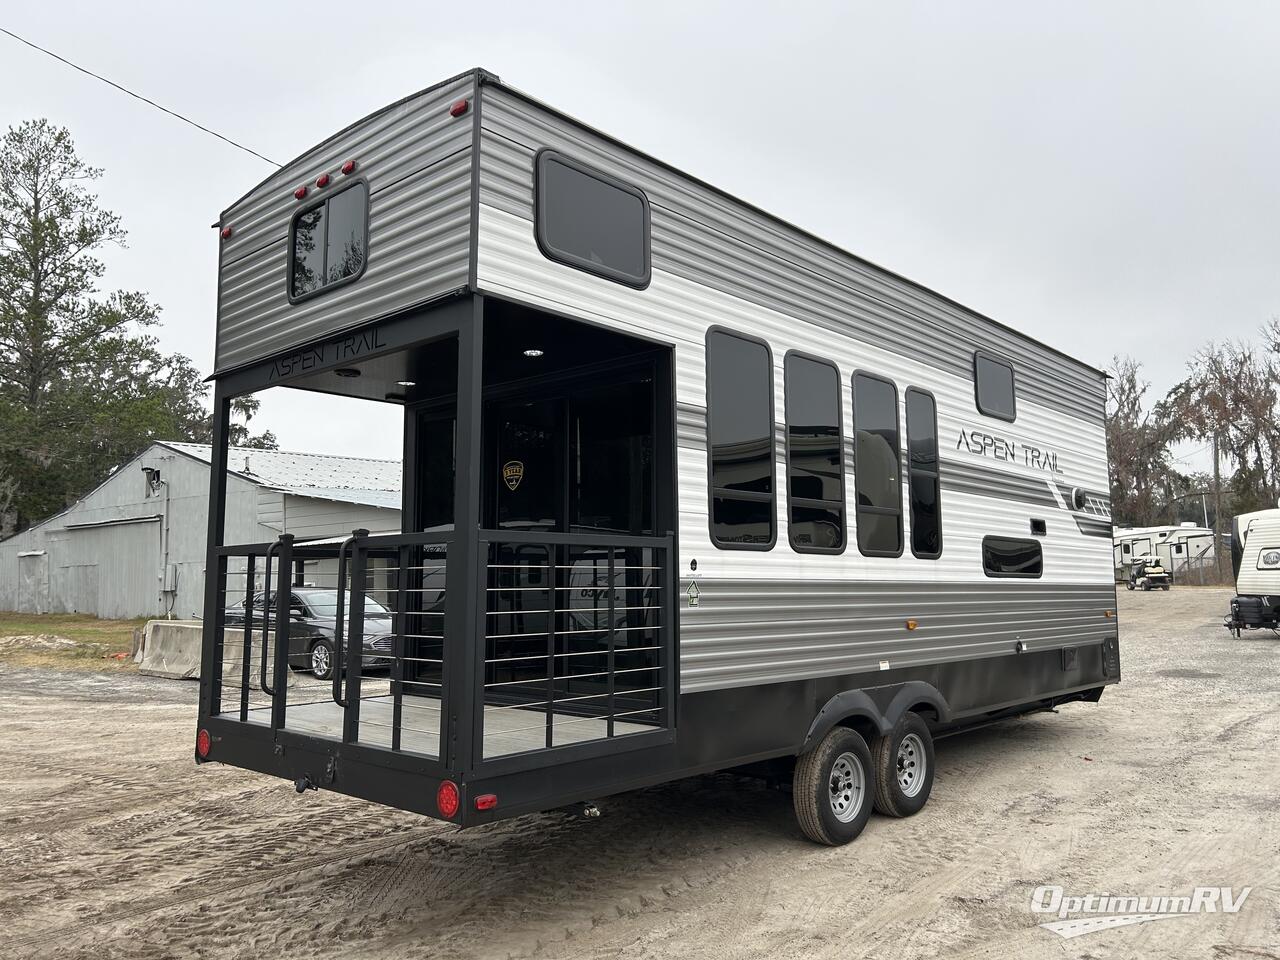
<point>94,641</point>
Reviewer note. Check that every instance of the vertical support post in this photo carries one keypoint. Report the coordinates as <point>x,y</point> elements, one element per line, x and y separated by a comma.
<point>552,592</point>
<point>246,665</point>
<point>355,638</point>
<point>284,629</point>
<point>463,655</point>
<point>613,636</point>
<point>405,561</point>
<point>215,564</point>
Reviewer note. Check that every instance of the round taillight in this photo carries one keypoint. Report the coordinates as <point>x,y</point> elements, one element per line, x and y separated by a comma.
<point>300,192</point>
<point>203,743</point>
<point>349,167</point>
<point>447,799</point>
<point>226,233</point>
<point>322,180</point>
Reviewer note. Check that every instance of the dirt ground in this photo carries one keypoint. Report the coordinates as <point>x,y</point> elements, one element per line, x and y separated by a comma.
<point>114,844</point>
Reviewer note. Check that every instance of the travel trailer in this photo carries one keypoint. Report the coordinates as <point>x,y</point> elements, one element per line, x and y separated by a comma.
<point>685,488</point>
<point>1183,550</point>
<point>1255,564</point>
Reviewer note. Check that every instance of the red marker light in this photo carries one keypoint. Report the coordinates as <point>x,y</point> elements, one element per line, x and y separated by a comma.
<point>349,167</point>
<point>322,180</point>
<point>486,801</point>
<point>447,799</point>
<point>226,233</point>
<point>204,743</point>
<point>300,192</point>
<point>459,108</point>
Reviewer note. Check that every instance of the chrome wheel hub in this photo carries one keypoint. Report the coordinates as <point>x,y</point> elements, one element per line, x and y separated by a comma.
<point>847,787</point>
<point>911,765</point>
<point>320,659</point>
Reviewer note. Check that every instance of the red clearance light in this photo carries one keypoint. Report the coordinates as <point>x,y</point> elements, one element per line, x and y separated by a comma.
<point>300,192</point>
<point>459,108</point>
<point>486,801</point>
<point>226,233</point>
<point>204,743</point>
<point>447,799</point>
<point>349,167</point>
<point>322,180</point>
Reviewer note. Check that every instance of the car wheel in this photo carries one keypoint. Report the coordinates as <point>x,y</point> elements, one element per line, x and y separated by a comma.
<point>833,787</point>
<point>904,767</point>
<point>322,660</point>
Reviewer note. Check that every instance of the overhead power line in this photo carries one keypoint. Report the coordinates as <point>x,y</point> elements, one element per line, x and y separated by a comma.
<point>137,96</point>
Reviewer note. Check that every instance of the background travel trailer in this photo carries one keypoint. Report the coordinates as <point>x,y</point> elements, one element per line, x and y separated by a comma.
<point>1185,550</point>
<point>825,510</point>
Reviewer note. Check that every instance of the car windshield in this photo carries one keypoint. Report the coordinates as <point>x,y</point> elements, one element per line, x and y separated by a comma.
<point>324,603</point>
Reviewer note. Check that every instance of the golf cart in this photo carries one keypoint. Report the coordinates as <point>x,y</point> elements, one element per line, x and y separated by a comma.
<point>1146,573</point>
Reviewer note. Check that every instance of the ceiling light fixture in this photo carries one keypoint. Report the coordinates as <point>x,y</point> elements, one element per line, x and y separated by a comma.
<point>533,352</point>
<point>406,383</point>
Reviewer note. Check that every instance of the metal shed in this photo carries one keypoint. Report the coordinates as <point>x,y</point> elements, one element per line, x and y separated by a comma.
<point>135,546</point>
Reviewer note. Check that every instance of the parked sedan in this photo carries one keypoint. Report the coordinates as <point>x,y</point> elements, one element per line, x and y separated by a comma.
<point>312,618</point>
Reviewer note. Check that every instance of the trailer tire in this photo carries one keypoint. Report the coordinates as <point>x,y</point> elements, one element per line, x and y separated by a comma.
<point>320,660</point>
<point>833,788</point>
<point>904,767</point>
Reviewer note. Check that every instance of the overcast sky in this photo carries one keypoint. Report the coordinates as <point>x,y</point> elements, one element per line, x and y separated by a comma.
<point>1103,176</point>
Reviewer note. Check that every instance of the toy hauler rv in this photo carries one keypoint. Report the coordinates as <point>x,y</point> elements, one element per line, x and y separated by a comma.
<point>1255,564</point>
<point>686,488</point>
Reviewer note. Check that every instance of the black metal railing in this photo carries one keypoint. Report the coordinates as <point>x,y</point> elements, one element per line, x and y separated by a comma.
<point>578,643</point>
<point>373,606</point>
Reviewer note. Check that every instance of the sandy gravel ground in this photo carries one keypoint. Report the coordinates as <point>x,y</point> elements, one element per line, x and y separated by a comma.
<point>113,844</point>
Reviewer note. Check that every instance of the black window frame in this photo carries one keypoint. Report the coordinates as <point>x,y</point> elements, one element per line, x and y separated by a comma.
<point>551,252</point>
<point>977,390</point>
<point>793,500</point>
<point>858,508</point>
<point>302,211</point>
<point>936,472</point>
<point>1021,541</point>
<point>712,491</point>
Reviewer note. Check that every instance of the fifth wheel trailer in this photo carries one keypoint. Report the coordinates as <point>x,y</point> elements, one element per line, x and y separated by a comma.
<point>685,487</point>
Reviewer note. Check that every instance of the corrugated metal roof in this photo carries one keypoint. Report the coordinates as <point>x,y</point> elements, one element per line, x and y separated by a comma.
<point>363,480</point>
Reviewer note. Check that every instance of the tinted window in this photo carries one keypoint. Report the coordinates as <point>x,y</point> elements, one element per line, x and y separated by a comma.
<point>922,475</point>
<point>875,466</point>
<point>329,239</point>
<point>740,434</point>
<point>1007,557</point>
<point>815,469</point>
<point>993,385</point>
<point>592,221</point>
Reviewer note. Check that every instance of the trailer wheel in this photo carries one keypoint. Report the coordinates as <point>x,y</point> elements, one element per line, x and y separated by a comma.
<point>321,661</point>
<point>833,788</point>
<point>904,767</point>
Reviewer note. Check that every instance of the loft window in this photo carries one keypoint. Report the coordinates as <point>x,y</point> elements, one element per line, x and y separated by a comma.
<point>328,241</point>
<point>993,387</point>
<point>592,221</point>
<point>922,475</point>
<point>740,437</point>
<point>815,464</point>
<point>877,479</point>
<point>1007,557</point>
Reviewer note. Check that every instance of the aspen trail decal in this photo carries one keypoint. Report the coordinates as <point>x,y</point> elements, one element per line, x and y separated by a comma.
<point>512,474</point>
